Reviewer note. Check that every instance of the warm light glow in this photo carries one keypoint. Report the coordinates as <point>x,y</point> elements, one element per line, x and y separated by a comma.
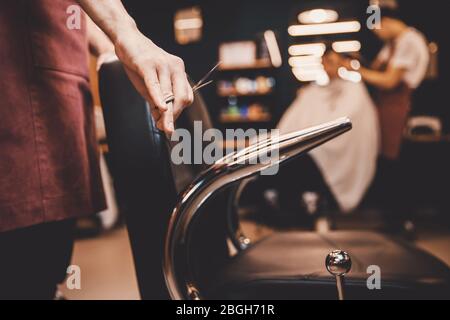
<point>355,64</point>
<point>318,16</point>
<point>310,67</point>
<point>433,46</point>
<point>326,28</point>
<point>389,4</point>
<point>186,24</point>
<point>315,49</point>
<point>323,79</point>
<point>274,49</point>
<point>347,46</point>
<point>304,60</point>
<point>352,76</point>
<point>310,75</point>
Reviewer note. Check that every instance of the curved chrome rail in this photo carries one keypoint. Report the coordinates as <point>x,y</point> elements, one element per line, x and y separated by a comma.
<point>232,168</point>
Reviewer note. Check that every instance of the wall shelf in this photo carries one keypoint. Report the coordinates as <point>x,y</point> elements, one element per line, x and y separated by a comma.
<point>237,119</point>
<point>246,90</point>
<point>237,94</point>
<point>259,64</point>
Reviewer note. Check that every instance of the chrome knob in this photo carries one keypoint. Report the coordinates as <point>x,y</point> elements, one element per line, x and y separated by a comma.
<point>338,264</point>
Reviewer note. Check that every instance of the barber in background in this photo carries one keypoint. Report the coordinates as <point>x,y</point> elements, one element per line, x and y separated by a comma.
<point>399,69</point>
<point>348,163</point>
<point>49,166</point>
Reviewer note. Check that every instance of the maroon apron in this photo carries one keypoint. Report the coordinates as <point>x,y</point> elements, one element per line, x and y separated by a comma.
<point>394,107</point>
<point>49,167</point>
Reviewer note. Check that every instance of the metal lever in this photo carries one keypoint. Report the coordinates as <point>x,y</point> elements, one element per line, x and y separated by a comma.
<point>338,264</point>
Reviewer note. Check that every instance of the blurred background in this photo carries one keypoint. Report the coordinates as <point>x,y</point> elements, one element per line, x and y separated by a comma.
<point>231,21</point>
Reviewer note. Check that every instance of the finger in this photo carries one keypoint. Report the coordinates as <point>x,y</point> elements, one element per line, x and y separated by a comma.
<point>139,84</point>
<point>182,92</point>
<point>155,89</point>
<point>160,125</point>
<point>167,90</point>
<point>167,120</point>
<point>191,95</point>
<point>156,114</point>
<point>165,81</point>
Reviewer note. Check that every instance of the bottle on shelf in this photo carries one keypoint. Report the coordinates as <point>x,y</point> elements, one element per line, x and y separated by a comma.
<point>254,112</point>
<point>244,86</point>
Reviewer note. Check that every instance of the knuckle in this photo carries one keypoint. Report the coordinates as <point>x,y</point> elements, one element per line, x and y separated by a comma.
<point>160,62</point>
<point>178,62</point>
<point>188,100</point>
<point>145,62</point>
<point>145,72</point>
<point>150,81</point>
<point>190,95</point>
<point>183,99</point>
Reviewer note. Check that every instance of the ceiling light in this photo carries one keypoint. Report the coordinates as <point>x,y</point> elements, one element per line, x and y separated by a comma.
<point>274,49</point>
<point>318,16</point>
<point>304,60</point>
<point>186,24</point>
<point>355,64</point>
<point>352,76</point>
<point>316,49</point>
<point>326,28</point>
<point>347,46</point>
<point>308,75</point>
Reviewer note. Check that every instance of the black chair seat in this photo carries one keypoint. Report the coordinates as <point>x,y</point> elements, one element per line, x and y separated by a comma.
<point>292,266</point>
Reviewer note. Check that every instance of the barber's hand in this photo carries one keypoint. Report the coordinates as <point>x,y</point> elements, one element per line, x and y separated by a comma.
<point>157,75</point>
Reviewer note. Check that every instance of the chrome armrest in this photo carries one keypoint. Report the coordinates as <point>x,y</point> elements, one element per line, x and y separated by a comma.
<point>231,169</point>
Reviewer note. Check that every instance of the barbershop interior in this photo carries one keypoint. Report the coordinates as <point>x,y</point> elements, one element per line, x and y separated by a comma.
<point>329,131</point>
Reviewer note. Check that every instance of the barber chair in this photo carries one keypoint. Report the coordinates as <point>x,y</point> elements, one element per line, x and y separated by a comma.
<point>197,251</point>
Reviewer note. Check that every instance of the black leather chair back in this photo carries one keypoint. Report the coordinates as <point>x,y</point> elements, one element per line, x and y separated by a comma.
<point>146,180</point>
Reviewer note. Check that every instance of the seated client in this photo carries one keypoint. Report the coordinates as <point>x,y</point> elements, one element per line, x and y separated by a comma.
<point>348,163</point>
